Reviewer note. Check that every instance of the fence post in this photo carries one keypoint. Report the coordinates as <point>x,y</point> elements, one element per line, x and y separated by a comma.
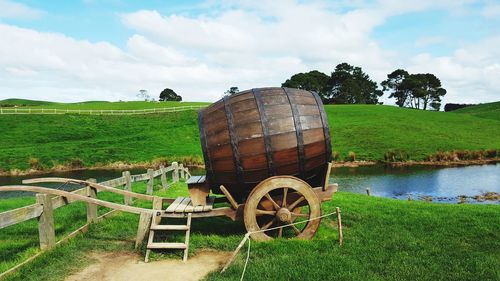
<point>175,173</point>
<point>127,187</point>
<point>46,230</point>
<point>150,181</point>
<point>91,208</point>
<point>157,205</point>
<point>163,178</point>
<point>181,167</point>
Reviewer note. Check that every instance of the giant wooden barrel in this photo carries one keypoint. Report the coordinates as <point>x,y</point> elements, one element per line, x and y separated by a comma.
<point>259,133</point>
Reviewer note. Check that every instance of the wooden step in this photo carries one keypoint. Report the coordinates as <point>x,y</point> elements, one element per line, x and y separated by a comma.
<point>157,245</point>
<point>169,227</point>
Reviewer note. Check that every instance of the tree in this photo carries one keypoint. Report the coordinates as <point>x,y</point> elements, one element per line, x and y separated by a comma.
<point>414,90</point>
<point>143,94</point>
<point>169,95</point>
<point>393,84</point>
<point>423,90</point>
<point>349,84</point>
<point>311,81</point>
<point>233,90</point>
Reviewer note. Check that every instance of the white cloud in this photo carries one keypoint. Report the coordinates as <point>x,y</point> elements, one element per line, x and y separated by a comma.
<point>244,44</point>
<point>12,10</point>
<point>492,10</point>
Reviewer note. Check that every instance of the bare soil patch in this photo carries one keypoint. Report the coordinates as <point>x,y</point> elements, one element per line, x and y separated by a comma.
<point>130,266</point>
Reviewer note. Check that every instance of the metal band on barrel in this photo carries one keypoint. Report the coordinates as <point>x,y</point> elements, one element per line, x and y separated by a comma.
<point>234,140</point>
<point>265,131</point>
<point>326,130</point>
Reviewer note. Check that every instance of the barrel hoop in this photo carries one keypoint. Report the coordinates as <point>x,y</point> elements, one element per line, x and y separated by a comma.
<point>204,145</point>
<point>233,140</point>
<point>326,130</point>
<point>265,131</point>
<point>299,133</point>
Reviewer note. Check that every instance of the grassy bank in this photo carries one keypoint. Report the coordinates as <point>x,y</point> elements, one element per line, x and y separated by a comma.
<point>369,131</point>
<point>385,239</point>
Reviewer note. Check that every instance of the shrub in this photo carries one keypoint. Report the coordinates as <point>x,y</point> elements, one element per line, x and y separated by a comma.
<point>35,164</point>
<point>351,156</point>
<point>335,156</point>
<point>75,163</point>
<point>491,153</point>
<point>396,156</point>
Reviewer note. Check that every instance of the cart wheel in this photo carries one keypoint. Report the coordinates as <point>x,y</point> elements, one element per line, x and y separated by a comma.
<point>278,201</point>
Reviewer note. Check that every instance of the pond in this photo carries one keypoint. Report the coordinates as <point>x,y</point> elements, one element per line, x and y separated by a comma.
<point>437,184</point>
<point>450,184</point>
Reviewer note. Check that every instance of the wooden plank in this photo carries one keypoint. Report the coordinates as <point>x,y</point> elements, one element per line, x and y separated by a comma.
<point>151,179</point>
<point>75,197</point>
<point>193,179</point>
<point>229,197</point>
<point>174,205</point>
<point>128,187</point>
<point>46,230</point>
<point>202,179</point>
<point>186,241</point>
<point>185,202</point>
<point>210,204</point>
<point>82,191</point>
<point>189,208</point>
<point>198,209</point>
<point>91,208</point>
<point>18,215</point>
<point>58,201</point>
<point>143,228</point>
<point>115,182</point>
<point>163,178</point>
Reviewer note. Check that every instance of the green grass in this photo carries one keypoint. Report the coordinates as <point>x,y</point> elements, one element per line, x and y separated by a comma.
<point>384,239</point>
<point>25,102</point>
<point>367,130</point>
<point>487,110</point>
<point>97,105</point>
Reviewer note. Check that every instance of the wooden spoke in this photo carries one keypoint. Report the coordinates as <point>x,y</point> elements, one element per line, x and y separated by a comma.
<point>285,191</point>
<point>300,215</point>
<point>264,212</point>
<point>267,225</point>
<point>297,202</point>
<point>276,206</point>
<point>261,210</point>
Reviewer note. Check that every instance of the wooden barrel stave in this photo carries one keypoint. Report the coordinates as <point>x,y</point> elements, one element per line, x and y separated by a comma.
<point>264,132</point>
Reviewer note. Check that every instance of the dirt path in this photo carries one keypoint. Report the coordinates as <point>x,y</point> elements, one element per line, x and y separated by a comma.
<point>129,266</point>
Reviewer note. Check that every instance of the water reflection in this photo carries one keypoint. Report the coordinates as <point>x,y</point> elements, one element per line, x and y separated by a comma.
<point>443,184</point>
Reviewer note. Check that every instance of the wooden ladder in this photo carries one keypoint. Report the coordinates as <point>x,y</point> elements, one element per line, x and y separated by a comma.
<point>155,226</point>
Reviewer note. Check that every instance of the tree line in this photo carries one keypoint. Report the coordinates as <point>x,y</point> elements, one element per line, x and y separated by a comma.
<point>348,84</point>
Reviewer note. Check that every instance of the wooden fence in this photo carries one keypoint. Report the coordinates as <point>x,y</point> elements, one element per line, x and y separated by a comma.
<point>46,204</point>
<point>98,111</point>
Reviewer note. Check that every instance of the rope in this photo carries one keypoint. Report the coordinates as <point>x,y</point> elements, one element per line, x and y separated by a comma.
<point>246,261</point>
<point>273,228</point>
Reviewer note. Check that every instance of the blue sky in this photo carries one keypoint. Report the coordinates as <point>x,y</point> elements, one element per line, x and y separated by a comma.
<point>201,48</point>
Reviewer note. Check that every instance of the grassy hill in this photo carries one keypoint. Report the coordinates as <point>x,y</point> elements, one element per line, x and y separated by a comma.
<point>24,102</point>
<point>368,130</point>
<point>486,110</point>
<point>97,105</point>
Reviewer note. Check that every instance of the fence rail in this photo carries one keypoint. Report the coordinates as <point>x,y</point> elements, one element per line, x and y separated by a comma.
<point>98,111</point>
<point>43,209</point>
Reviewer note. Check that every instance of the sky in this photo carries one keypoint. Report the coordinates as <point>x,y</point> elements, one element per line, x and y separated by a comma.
<point>79,50</point>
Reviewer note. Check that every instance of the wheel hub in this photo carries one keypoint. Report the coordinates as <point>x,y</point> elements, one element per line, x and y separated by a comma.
<point>284,215</point>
